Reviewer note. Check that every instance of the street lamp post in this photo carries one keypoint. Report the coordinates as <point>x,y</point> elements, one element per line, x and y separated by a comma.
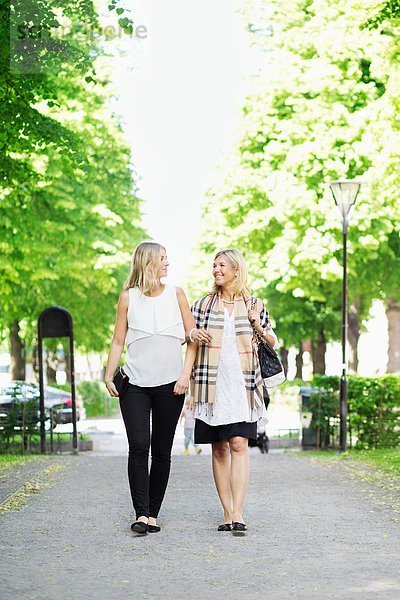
<point>345,193</point>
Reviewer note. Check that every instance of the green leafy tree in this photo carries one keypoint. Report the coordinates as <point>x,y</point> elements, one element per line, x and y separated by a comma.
<point>388,12</point>
<point>68,204</point>
<point>324,109</point>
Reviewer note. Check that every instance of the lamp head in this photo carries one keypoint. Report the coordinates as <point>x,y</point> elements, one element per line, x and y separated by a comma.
<point>345,192</point>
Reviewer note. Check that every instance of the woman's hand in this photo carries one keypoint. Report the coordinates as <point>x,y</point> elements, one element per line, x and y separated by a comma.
<point>111,389</point>
<point>254,318</point>
<point>202,335</point>
<point>182,385</point>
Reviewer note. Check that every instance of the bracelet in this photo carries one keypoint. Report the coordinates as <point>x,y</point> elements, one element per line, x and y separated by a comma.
<point>190,334</point>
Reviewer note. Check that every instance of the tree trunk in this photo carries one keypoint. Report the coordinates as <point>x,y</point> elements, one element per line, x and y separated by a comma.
<point>284,359</point>
<point>318,354</point>
<point>299,362</point>
<point>51,366</point>
<point>35,361</point>
<point>353,335</point>
<point>67,359</point>
<point>17,353</point>
<point>393,317</point>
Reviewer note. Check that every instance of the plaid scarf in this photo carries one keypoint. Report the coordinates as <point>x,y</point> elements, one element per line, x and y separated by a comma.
<point>208,314</point>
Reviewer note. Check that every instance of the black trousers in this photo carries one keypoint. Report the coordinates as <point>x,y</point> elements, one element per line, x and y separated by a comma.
<point>148,489</point>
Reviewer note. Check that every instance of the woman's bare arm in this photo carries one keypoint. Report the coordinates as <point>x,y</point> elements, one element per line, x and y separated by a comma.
<point>118,342</point>
<point>188,322</point>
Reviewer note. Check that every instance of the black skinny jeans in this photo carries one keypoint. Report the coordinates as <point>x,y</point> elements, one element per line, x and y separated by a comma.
<point>147,490</point>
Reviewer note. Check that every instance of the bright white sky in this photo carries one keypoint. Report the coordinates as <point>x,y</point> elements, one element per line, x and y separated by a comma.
<point>180,93</point>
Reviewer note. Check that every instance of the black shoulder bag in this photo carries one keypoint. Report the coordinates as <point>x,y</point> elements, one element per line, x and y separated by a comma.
<point>271,367</point>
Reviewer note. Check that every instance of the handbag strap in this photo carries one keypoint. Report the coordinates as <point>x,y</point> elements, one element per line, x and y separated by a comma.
<point>259,339</point>
<point>253,305</point>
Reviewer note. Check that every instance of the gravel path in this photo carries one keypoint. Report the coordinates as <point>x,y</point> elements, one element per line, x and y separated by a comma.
<point>12,479</point>
<point>315,531</point>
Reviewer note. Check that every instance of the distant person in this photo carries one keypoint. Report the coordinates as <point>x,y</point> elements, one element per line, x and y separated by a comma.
<point>153,317</point>
<point>187,417</point>
<point>228,388</point>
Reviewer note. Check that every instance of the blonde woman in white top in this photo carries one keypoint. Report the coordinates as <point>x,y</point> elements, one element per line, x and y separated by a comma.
<point>154,319</point>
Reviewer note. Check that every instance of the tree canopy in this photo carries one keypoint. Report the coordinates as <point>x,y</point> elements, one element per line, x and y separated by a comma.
<point>69,209</point>
<point>324,107</point>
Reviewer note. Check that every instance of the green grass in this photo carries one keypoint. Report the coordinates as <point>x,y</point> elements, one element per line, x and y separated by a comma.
<point>62,437</point>
<point>7,461</point>
<point>385,460</point>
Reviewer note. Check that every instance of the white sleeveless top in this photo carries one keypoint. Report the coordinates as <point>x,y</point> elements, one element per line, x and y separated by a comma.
<point>154,338</point>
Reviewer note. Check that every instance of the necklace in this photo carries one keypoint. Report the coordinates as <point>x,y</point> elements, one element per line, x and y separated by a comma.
<point>228,301</point>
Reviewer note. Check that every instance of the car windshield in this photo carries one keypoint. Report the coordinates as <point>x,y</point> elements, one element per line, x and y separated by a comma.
<point>24,392</point>
<point>51,393</point>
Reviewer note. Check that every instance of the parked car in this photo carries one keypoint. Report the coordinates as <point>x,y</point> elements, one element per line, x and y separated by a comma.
<point>61,402</point>
<point>19,403</point>
<point>58,403</point>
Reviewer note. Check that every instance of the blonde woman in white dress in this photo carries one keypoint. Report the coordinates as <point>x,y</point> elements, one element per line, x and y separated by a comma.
<point>227,383</point>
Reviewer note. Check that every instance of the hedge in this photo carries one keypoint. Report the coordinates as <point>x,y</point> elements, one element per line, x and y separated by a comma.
<point>96,399</point>
<point>373,414</point>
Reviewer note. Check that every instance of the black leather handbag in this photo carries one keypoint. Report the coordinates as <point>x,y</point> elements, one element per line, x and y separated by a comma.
<point>120,380</point>
<point>270,364</point>
<point>271,367</point>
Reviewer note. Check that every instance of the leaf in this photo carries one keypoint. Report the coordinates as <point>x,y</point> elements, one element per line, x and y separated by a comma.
<point>124,22</point>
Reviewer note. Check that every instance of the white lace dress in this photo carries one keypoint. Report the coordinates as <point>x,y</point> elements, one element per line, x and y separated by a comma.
<point>230,404</point>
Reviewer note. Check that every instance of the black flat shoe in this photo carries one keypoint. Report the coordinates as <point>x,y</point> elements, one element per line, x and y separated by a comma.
<point>225,527</point>
<point>238,528</point>
<point>140,527</point>
<point>153,528</point>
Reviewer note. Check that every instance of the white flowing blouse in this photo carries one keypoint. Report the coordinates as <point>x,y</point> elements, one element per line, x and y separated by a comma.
<point>154,338</point>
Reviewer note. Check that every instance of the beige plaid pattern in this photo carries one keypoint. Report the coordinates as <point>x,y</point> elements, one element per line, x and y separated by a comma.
<point>208,314</point>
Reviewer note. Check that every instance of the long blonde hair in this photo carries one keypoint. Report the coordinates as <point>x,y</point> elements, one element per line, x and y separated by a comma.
<point>145,267</point>
<point>237,261</point>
